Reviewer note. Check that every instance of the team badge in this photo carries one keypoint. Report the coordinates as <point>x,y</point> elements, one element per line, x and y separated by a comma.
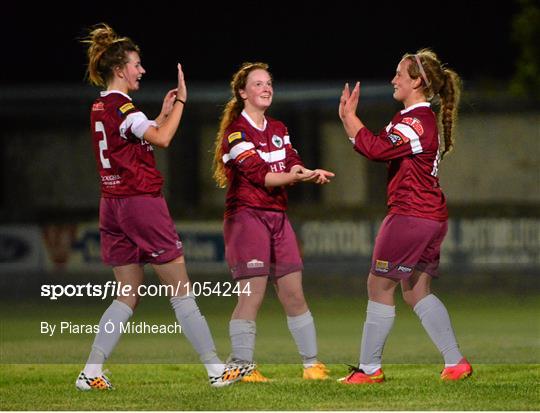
<point>397,139</point>
<point>277,141</point>
<point>234,137</point>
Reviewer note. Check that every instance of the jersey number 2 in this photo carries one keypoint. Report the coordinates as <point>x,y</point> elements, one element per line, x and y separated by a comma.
<point>103,145</point>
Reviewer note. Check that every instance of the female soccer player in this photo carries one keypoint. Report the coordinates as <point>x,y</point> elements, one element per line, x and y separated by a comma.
<point>255,160</point>
<point>135,224</point>
<point>408,244</point>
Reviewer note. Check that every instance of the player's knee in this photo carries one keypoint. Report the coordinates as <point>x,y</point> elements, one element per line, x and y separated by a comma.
<point>293,300</point>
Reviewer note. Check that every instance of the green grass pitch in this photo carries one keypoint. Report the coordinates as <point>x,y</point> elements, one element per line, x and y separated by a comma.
<point>498,331</point>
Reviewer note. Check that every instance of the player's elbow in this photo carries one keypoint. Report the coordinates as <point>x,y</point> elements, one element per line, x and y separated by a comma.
<point>163,142</point>
<point>160,144</point>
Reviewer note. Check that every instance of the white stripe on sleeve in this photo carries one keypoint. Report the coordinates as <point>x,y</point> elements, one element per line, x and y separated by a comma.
<point>139,124</point>
<point>411,134</point>
<point>237,150</point>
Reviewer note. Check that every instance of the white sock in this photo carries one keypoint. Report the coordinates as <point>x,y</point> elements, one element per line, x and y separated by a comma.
<point>195,328</point>
<point>379,322</point>
<point>107,337</point>
<point>436,321</point>
<point>302,329</point>
<point>242,333</point>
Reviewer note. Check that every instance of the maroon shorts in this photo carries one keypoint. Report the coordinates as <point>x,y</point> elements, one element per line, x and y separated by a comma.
<point>260,242</point>
<point>405,243</point>
<point>137,230</point>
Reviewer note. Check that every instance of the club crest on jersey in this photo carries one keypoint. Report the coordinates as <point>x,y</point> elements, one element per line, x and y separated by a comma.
<point>277,141</point>
<point>415,124</point>
<point>235,136</point>
<point>125,108</point>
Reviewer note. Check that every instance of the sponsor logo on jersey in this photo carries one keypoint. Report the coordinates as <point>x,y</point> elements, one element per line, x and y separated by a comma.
<point>156,254</point>
<point>111,180</point>
<point>125,108</point>
<point>278,167</point>
<point>415,124</point>
<point>403,268</point>
<point>277,141</point>
<point>254,263</point>
<point>98,106</point>
<point>234,137</point>
<point>381,266</point>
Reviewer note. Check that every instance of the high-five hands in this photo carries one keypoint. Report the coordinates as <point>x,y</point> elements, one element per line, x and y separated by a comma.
<point>348,103</point>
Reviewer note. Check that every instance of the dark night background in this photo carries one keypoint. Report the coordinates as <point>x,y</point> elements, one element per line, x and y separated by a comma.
<point>300,40</point>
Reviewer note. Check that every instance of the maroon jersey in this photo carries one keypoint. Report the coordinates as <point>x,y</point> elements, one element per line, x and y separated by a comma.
<point>410,145</point>
<point>125,161</point>
<point>249,154</point>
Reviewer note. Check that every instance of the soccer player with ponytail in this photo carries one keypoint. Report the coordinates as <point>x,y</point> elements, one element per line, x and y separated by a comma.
<point>407,247</point>
<point>135,225</point>
<point>255,160</point>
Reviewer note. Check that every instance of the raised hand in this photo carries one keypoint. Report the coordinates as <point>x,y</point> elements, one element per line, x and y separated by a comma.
<point>168,102</point>
<point>345,94</point>
<point>348,103</point>
<point>181,90</point>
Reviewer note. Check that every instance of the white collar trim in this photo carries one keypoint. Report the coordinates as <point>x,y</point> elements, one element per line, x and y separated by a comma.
<point>108,92</point>
<point>252,123</point>
<point>416,105</point>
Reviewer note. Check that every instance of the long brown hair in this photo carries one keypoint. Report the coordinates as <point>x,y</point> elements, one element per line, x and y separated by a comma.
<point>106,51</point>
<point>232,110</point>
<point>442,82</point>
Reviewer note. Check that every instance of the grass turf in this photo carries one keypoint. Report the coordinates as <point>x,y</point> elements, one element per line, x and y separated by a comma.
<point>183,387</point>
<point>498,332</point>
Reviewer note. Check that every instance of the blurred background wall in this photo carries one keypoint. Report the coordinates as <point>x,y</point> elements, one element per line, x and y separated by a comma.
<point>49,190</point>
<point>49,173</point>
<point>49,185</point>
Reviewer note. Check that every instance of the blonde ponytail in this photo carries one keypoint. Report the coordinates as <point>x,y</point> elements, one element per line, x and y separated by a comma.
<point>442,82</point>
<point>232,110</point>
